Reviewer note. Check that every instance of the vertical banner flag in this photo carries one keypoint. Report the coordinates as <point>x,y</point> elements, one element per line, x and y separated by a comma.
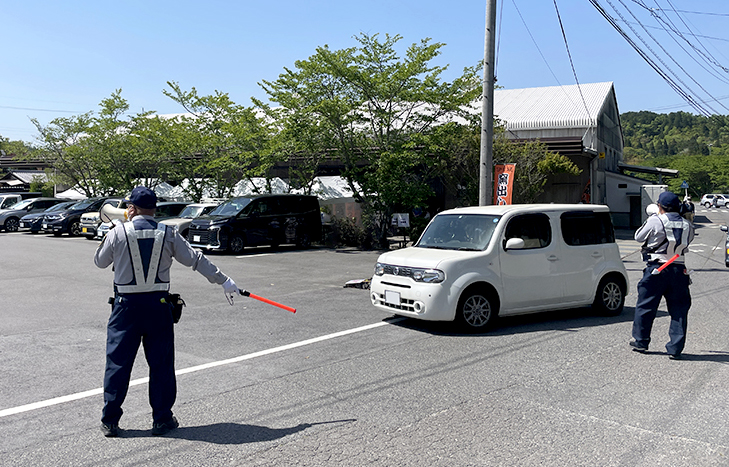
<point>504,183</point>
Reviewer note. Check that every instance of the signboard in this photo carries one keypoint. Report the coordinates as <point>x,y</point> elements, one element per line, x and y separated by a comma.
<point>504,183</point>
<point>401,220</point>
<point>684,185</point>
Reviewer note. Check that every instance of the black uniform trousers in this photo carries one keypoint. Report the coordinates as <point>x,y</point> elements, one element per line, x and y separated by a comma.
<point>673,284</point>
<point>140,318</point>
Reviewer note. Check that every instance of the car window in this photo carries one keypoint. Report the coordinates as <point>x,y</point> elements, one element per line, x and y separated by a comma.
<point>534,229</point>
<point>230,207</point>
<point>587,228</point>
<point>459,232</point>
<point>22,204</point>
<point>8,202</point>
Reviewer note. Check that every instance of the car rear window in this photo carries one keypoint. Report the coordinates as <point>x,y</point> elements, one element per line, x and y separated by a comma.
<point>587,228</point>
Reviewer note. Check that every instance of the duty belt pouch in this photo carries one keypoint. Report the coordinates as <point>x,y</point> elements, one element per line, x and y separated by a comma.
<point>176,303</point>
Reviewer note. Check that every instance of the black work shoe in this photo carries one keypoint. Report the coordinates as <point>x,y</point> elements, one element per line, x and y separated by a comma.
<point>110,430</point>
<point>674,356</point>
<point>637,347</point>
<point>164,427</point>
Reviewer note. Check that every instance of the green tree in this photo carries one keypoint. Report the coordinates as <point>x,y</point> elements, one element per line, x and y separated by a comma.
<point>234,143</point>
<point>367,103</point>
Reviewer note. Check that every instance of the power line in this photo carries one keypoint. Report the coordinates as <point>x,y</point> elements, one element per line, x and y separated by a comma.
<point>564,36</point>
<point>654,60</point>
<point>40,110</point>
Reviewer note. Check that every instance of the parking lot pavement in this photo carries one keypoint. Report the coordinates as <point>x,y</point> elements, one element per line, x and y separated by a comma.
<point>551,389</point>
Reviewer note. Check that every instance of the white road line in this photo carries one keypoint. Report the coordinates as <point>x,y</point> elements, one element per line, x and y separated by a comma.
<point>192,369</point>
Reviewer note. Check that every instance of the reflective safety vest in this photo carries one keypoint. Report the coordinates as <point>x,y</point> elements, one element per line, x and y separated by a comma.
<point>149,282</point>
<point>676,240</point>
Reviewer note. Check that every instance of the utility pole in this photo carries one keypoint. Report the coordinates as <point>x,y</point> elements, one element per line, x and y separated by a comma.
<point>486,182</point>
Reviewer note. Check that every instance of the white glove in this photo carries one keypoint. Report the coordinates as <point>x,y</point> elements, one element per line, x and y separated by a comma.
<point>230,288</point>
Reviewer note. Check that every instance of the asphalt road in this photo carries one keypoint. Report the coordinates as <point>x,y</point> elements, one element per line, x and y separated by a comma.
<point>340,383</point>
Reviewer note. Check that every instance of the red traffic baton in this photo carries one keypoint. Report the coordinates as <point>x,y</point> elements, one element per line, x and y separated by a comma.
<point>246,293</point>
<point>663,266</point>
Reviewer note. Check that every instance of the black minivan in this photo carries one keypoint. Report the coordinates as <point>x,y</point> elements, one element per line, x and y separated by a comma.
<point>258,220</point>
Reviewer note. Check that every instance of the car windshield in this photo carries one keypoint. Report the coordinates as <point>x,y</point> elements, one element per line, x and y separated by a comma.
<point>231,207</point>
<point>191,212</point>
<point>84,204</point>
<point>22,204</point>
<point>7,202</point>
<point>60,206</point>
<point>459,232</point>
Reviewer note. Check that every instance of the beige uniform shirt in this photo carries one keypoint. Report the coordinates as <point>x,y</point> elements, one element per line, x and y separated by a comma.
<point>113,249</point>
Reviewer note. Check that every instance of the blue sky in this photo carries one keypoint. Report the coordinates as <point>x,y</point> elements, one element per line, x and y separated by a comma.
<point>62,58</point>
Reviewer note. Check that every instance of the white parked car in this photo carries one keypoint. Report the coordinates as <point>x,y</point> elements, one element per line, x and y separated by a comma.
<point>474,264</point>
<point>709,199</point>
<point>192,211</point>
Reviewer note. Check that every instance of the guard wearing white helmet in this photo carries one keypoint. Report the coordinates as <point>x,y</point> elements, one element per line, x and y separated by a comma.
<point>664,235</point>
<point>142,251</point>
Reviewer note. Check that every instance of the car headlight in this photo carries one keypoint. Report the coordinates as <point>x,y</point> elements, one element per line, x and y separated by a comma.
<point>379,269</point>
<point>433,276</point>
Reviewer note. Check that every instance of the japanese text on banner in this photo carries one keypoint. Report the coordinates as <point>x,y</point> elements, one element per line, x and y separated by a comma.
<point>504,183</point>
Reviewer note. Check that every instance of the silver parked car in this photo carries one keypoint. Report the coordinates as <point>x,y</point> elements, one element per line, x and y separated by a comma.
<point>10,218</point>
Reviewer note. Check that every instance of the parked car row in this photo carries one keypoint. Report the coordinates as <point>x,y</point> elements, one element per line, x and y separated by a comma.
<point>92,226</point>
<point>269,219</point>
<point>10,217</point>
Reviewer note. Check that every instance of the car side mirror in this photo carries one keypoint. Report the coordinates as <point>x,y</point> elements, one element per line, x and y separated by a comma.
<point>514,244</point>
<point>724,228</point>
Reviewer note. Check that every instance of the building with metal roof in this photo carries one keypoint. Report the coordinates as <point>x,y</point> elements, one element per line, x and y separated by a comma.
<point>581,122</point>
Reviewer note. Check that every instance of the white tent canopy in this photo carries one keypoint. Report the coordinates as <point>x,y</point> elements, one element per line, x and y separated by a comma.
<point>324,188</point>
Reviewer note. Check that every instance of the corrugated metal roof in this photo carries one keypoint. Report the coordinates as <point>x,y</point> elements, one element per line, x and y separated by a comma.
<point>551,107</point>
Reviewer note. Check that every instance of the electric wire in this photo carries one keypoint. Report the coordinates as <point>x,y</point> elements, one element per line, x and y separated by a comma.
<point>697,39</point>
<point>652,63</point>
<point>564,36</point>
<point>667,22</point>
<point>673,59</point>
<point>665,66</point>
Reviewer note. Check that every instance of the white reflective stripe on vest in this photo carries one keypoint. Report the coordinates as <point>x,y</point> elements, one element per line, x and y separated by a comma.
<point>144,283</point>
<point>672,248</point>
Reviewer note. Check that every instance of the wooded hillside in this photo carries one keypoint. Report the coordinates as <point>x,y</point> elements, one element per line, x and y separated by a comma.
<point>695,145</point>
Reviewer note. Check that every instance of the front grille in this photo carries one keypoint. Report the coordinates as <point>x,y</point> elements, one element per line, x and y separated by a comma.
<point>207,237</point>
<point>398,270</point>
<point>405,304</point>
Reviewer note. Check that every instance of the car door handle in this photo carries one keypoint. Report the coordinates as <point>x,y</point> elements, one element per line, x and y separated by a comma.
<point>552,258</point>
<point>596,254</point>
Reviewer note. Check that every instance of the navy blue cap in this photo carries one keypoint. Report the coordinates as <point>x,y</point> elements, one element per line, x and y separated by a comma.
<point>669,200</point>
<point>142,197</point>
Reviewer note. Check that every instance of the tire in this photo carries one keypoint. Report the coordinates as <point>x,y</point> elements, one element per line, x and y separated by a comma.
<point>74,229</point>
<point>610,296</point>
<point>236,244</point>
<point>12,224</point>
<point>477,310</point>
<point>707,205</point>
<point>303,240</point>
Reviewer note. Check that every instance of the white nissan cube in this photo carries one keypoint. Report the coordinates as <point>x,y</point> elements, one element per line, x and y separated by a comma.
<point>476,263</point>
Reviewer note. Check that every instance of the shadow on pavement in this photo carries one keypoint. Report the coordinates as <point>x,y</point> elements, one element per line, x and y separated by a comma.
<point>561,320</point>
<point>228,433</point>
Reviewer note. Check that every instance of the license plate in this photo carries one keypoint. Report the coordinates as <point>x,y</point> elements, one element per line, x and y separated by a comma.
<point>196,238</point>
<point>84,230</point>
<point>392,298</point>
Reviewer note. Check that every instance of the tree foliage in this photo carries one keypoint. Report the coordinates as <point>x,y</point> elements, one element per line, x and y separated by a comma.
<point>366,103</point>
<point>696,146</point>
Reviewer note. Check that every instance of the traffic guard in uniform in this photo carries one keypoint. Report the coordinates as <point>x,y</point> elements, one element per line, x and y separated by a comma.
<point>141,251</point>
<point>665,235</point>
